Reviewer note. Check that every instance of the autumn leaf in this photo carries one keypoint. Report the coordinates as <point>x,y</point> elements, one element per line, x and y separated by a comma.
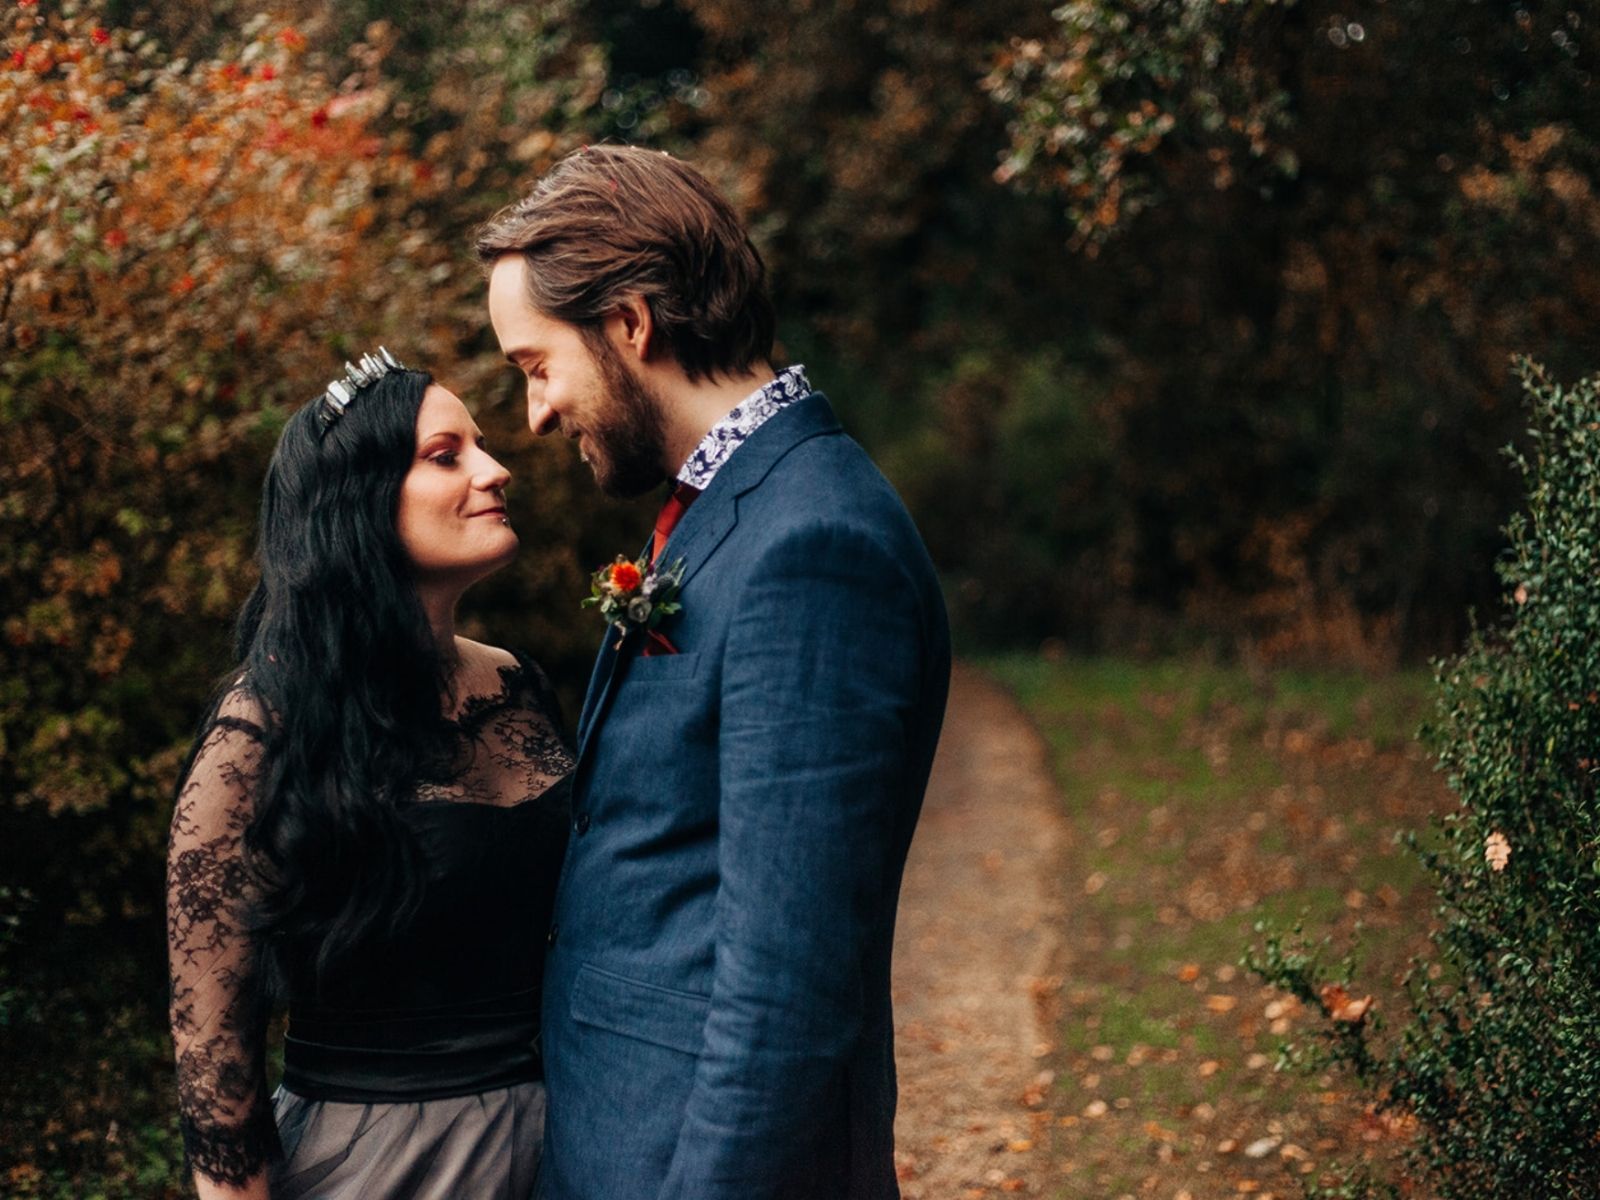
<point>1341,1006</point>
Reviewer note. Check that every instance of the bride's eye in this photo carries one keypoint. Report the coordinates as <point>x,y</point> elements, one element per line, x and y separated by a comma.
<point>445,459</point>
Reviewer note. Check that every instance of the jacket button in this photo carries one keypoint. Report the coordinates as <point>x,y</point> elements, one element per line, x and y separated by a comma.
<point>581,823</point>
<point>555,932</point>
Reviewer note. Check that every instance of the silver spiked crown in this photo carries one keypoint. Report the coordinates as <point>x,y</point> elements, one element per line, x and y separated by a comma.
<point>338,394</point>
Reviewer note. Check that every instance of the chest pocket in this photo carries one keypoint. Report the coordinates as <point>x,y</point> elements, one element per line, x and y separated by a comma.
<point>661,668</point>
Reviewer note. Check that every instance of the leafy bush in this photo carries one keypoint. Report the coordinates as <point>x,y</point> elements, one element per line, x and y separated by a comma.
<point>1495,1066</point>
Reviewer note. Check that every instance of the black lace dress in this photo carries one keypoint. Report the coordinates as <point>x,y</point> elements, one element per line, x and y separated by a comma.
<point>410,1074</point>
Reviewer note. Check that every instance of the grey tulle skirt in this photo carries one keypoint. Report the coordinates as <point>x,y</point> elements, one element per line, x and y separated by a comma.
<point>485,1146</point>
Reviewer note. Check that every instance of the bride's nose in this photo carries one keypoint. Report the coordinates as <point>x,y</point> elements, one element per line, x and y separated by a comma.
<point>493,477</point>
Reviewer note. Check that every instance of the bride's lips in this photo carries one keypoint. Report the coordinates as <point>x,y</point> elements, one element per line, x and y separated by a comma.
<point>488,512</point>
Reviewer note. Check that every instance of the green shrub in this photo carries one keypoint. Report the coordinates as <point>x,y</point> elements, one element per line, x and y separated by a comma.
<point>1495,1066</point>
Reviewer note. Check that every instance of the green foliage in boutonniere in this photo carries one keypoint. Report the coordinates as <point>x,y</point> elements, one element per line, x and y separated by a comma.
<point>635,595</point>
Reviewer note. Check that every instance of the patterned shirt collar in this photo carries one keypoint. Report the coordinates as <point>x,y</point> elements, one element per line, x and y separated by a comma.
<point>728,434</point>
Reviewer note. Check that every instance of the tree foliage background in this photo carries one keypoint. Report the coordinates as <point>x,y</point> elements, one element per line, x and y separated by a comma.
<point>1175,323</point>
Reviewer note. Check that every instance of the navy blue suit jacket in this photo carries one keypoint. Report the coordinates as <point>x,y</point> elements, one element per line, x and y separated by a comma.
<point>716,1014</point>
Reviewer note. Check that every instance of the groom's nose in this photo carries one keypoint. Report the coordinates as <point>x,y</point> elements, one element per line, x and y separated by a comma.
<point>542,418</point>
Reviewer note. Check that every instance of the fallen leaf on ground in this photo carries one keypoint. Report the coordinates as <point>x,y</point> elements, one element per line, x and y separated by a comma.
<point>1341,1006</point>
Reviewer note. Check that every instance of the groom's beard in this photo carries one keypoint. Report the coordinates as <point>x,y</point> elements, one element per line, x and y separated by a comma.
<point>627,441</point>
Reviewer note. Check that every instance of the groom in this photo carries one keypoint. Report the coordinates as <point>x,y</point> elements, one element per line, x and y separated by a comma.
<point>716,1016</point>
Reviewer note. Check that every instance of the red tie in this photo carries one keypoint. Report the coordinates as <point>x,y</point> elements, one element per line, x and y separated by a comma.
<point>677,504</point>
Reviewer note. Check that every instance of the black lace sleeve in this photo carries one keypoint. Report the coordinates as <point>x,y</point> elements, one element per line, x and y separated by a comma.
<point>218,1020</point>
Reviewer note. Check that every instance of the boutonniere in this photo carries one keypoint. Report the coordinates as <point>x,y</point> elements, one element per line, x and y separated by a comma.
<point>635,595</point>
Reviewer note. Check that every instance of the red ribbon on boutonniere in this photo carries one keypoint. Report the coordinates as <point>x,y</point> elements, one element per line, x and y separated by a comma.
<point>636,595</point>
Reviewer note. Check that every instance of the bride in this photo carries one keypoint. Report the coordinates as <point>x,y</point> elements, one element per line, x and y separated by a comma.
<point>368,830</point>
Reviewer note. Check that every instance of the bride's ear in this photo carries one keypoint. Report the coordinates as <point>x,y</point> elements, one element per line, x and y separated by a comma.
<point>635,326</point>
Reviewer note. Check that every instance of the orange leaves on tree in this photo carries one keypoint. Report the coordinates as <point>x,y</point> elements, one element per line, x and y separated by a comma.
<point>179,244</point>
<point>155,220</point>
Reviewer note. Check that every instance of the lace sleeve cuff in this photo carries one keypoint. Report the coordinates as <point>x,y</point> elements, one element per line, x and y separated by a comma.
<point>231,1154</point>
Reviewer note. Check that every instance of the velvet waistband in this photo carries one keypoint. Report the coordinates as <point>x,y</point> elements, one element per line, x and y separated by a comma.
<point>416,1054</point>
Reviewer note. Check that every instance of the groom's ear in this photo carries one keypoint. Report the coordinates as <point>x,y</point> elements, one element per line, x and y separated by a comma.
<point>636,326</point>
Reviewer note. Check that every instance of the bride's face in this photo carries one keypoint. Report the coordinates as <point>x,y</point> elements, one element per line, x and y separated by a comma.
<point>452,519</point>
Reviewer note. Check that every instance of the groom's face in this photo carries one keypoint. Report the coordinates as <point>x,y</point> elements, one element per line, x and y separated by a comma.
<point>579,385</point>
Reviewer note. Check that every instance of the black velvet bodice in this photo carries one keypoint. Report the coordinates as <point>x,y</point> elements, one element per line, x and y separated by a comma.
<point>451,1006</point>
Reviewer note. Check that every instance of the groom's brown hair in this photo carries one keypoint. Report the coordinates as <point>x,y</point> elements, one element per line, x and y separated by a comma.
<point>610,221</point>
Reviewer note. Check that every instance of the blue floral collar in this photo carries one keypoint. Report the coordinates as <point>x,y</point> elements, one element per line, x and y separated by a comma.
<point>728,434</point>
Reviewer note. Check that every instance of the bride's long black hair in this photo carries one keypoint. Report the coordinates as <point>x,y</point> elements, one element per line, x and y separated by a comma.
<point>336,648</point>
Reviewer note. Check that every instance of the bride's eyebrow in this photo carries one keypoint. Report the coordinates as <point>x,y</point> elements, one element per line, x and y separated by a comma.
<point>438,435</point>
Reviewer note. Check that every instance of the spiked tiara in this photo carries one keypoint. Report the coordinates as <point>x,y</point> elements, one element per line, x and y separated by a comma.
<point>338,394</point>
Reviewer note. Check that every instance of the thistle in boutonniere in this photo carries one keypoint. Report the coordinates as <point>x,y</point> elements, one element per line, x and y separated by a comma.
<point>635,595</point>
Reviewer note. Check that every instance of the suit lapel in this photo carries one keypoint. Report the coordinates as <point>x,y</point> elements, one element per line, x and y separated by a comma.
<point>712,517</point>
<point>707,524</point>
<point>605,668</point>
<point>702,529</point>
<point>605,665</point>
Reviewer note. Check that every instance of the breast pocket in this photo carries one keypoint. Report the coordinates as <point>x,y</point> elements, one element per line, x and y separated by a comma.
<point>651,1013</point>
<point>662,668</point>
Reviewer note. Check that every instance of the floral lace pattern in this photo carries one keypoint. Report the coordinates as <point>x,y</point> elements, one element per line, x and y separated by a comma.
<point>510,747</point>
<point>217,1027</point>
<point>511,750</point>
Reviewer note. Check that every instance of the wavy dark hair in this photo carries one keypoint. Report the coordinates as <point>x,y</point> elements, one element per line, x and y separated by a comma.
<point>335,646</point>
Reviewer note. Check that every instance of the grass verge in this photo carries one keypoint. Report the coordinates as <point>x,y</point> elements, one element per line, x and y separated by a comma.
<point>1200,800</point>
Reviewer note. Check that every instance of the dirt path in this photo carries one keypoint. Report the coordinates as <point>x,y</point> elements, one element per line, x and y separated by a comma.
<point>979,935</point>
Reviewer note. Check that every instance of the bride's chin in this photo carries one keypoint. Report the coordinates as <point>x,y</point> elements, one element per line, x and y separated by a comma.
<point>506,555</point>
<point>464,573</point>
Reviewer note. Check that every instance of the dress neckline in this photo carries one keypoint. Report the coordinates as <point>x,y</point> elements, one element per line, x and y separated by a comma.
<point>476,709</point>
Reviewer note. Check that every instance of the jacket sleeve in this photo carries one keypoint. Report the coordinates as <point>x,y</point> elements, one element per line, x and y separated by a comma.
<point>218,1025</point>
<point>823,668</point>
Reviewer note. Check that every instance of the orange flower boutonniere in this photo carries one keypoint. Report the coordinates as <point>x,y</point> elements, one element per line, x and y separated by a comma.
<point>635,595</point>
